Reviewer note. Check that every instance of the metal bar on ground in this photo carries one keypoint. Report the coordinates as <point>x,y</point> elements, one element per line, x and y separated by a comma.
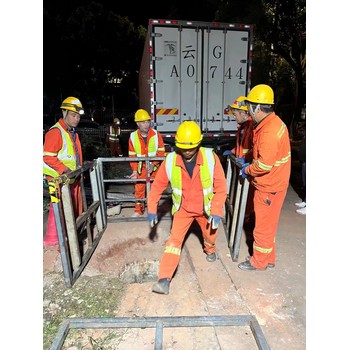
<point>158,343</point>
<point>159,323</point>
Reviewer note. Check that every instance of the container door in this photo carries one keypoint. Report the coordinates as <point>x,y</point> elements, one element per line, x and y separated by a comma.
<point>225,76</point>
<point>177,72</point>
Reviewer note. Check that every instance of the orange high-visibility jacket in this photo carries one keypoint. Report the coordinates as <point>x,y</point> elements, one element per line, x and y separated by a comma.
<point>144,147</point>
<point>244,140</point>
<point>271,155</point>
<point>52,145</point>
<point>192,189</point>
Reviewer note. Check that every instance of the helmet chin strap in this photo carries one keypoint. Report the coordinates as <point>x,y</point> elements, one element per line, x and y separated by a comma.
<point>253,111</point>
<point>64,119</point>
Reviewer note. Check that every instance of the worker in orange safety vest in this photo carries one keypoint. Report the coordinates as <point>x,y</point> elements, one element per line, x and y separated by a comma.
<point>269,173</point>
<point>198,193</point>
<point>144,142</point>
<point>112,139</point>
<point>63,154</point>
<point>243,150</point>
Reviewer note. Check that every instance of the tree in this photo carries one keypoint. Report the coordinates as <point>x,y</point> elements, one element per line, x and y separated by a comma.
<point>98,52</point>
<point>279,54</point>
<point>284,28</point>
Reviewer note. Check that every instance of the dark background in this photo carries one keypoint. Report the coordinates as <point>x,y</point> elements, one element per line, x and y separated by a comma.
<point>93,49</point>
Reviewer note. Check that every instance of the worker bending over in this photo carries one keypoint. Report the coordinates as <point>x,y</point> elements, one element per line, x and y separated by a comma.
<point>198,193</point>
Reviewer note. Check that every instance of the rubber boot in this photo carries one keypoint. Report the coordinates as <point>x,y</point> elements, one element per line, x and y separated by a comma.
<point>51,237</point>
<point>211,257</point>
<point>162,286</point>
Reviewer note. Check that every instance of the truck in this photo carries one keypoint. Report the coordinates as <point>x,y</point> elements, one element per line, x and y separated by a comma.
<point>193,70</point>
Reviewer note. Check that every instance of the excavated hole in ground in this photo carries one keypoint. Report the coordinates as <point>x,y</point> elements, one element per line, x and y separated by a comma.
<point>140,272</point>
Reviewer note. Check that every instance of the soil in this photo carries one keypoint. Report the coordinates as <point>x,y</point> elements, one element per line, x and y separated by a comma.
<point>118,279</point>
<point>117,282</point>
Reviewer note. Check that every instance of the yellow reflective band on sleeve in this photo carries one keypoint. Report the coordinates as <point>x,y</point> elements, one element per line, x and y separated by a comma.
<point>283,161</point>
<point>50,154</point>
<point>264,166</point>
<point>161,149</point>
<point>281,131</point>
<point>132,153</point>
<point>172,250</point>
<point>262,250</point>
<point>245,150</point>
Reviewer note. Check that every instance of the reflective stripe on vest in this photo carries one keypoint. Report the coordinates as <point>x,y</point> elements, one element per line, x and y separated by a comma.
<point>152,147</point>
<point>66,154</point>
<point>206,174</point>
<point>113,136</point>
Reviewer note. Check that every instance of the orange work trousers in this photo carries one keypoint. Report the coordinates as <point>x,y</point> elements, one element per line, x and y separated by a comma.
<point>140,190</point>
<point>267,207</point>
<point>181,224</point>
<point>115,148</point>
<point>77,199</point>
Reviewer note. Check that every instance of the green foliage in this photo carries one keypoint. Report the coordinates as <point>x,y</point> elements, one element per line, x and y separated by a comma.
<point>279,50</point>
<point>99,51</point>
<point>100,48</point>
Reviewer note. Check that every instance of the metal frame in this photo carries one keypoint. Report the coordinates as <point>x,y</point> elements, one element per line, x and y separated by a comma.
<point>73,260</point>
<point>237,192</point>
<point>121,180</point>
<point>159,323</point>
<point>68,226</point>
<point>73,263</point>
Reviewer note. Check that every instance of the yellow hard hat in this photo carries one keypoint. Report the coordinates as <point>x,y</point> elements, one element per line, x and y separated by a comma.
<point>239,104</point>
<point>73,104</point>
<point>262,94</point>
<point>188,135</point>
<point>141,115</point>
<point>116,120</point>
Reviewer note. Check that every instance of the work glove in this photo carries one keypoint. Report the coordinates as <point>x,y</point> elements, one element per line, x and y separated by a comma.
<point>214,220</point>
<point>243,173</point>
<point>241,160</point>
<point>227,152</point>
<point>154,167</point>
<point>152,219</point>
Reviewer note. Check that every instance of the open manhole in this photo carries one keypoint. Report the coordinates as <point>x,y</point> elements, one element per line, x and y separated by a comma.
<point>140,272</point>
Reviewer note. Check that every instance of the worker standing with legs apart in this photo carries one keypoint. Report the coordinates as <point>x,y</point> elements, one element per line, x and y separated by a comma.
<point>244,147</point>
<point>198,192</point>
<point>269,173</point>
<point>63,154</point>
<point>112,139</point>
<point>144,142</point>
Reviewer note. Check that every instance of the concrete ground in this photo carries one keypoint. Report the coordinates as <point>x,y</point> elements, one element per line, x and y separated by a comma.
<point>276,297</point>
